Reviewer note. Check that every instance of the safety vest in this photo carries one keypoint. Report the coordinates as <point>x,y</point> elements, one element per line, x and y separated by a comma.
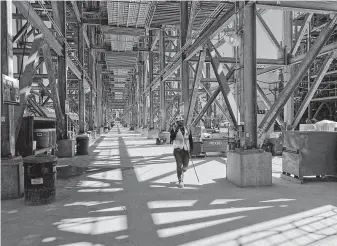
<point>182,142</point>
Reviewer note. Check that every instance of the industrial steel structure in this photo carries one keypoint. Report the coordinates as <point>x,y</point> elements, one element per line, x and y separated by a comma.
<point>150,60</point>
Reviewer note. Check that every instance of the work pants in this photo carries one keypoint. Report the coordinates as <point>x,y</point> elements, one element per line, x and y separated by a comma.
<point>182,159</point>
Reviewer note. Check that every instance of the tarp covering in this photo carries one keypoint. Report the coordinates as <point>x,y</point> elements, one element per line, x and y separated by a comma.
<point>326,125</point>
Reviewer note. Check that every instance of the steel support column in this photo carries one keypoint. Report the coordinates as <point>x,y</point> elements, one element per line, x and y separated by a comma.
<point>7,111</point>
<point>59,15</point>
<point>162,84</point>
<point>296,78</point>
<point>98,95</point>
<point>249,77</point>
<point>81,91</point>
<point>184,72</point>
<point>92,76</point>
<point>151,102</point>
<point>208,97</point>
<point>288,70</point>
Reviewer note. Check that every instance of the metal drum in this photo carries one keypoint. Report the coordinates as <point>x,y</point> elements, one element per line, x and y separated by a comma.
<point>82,144</point>
<point>40,179</point>
<point>42,138</point>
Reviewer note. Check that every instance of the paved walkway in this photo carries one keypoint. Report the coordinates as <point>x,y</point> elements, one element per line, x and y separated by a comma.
<point>127,196</point>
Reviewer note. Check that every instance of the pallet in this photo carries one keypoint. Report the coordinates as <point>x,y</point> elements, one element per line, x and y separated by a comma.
<point>292,178</point>
<point>300,180</point>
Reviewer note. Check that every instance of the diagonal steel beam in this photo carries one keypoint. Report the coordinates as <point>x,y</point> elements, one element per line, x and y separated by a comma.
<point>54,91</point>
<point>303,30</point>
<point>324,68</point>
<point>267,103</point>
<point>195,87</point>
<point>26,79</point>
<point>45,101</point>
<point>210,94</point>
<point>269,32</point>
<point>296,79</point>
<point>76,11</point>
<point>211,100</point>
<point>30,14</point>
<point>193,13</point>
<point>215,100</point>
<point>224,87</point>
<point>193,46</point>
<point>20,33</point>
<point>36,107</point>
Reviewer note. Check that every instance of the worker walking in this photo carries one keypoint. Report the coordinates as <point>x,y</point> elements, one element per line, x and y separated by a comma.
<point>182,145</point>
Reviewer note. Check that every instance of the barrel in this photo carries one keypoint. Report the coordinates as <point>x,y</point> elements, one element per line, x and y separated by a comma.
<point>106,129</point>
<point>82,142</point>
<point>50,130</point>
<point>53,135</point>
<point>40,179</point>
<point>42,138</point>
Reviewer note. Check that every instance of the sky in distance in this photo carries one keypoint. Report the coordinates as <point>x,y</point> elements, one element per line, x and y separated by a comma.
<point>265,49</point>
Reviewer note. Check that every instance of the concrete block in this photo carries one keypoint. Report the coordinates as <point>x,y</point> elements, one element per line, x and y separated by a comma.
<point>145,132</point>
<point>93,135</point>
<point>12,178</point>
<point>152,134</point>
<point>249,168</point>
<point>66,148</point>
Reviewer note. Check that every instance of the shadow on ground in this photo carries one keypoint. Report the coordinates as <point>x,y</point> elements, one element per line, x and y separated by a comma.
<point>127,195</point>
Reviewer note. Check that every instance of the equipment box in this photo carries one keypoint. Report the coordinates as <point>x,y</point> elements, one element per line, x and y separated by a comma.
<point>214,144</point>
<point>309,153</point>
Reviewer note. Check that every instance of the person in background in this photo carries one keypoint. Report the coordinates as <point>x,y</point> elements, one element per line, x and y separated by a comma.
<point>182,145</point>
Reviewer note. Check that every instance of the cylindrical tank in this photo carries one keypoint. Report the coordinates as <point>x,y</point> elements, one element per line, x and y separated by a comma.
<point>82,142</point>
<point>41,136</point>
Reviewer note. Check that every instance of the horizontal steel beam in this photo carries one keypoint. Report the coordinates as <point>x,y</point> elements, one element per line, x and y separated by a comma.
<point>320,99</point>
<point>301,6</point>
<point>233,60</point>
<point>325,50</point>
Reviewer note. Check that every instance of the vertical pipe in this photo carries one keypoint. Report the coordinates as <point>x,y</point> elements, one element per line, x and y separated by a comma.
<point>150,80</point>
<point>81,96</point>
<point>184,63</point>
<point>208,86</point>
<point>240,74</point>
<point>162,83</point>
<point>98,94</point>
<point>249,71</point>
<point>309,72</point>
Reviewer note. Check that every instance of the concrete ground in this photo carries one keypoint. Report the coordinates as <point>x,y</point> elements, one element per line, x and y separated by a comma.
<point>127,196</point>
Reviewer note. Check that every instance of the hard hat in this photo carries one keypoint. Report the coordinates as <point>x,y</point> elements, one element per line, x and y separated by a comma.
<point>179,118</point>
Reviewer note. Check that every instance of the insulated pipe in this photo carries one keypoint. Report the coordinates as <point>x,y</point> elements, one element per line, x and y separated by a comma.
<point>296,78</point>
